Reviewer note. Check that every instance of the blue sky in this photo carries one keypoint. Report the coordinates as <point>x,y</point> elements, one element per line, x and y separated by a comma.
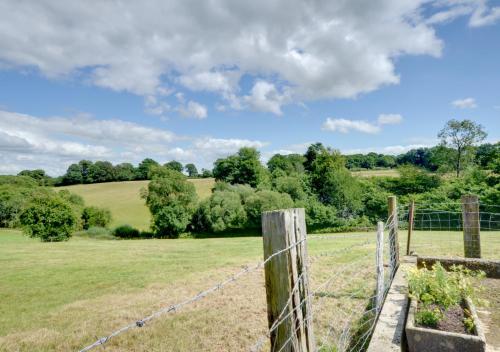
<point>182,82</point>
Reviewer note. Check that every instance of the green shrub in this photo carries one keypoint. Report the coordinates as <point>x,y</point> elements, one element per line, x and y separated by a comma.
<point>49,218</point>
<point>95,217</point>
<point>171,200</point>
<point>98,233</point>
<point>126,231</point>
<point>223,210</point>
<point>264,201</point>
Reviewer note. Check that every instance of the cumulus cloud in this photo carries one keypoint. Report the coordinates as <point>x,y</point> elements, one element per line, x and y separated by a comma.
<point>467,103</point>
<point>313,50</point>
<point>193,109</point>
<point>28,142</point>
<point>346,126</point>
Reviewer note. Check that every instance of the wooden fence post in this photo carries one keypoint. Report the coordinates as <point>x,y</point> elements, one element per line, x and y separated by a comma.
<point>380,265</point>
<point>287,289</point>
<point>393,234</point>
<point>471,225</point>
<point>411,214</point>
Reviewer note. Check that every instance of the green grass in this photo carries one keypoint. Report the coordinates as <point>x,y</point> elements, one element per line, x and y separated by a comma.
<point>62,296</point>
<point>376,173</point>
<point>124,201</point>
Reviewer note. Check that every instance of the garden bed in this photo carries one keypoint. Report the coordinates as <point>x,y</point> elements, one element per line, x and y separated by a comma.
<point>450,333</point>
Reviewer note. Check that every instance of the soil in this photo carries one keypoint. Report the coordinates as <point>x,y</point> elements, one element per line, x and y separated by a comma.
<point>453,321</point>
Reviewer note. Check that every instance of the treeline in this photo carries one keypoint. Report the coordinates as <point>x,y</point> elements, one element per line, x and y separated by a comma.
<point>432,159</point>
<point>86,171</point>
<point>435,159</point>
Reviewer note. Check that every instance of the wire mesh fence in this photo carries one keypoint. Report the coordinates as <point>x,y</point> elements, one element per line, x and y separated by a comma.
<point>342,279</point>
<point>438,228</point>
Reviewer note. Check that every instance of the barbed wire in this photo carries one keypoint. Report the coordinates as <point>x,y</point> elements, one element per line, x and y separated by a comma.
<point>173,308</point>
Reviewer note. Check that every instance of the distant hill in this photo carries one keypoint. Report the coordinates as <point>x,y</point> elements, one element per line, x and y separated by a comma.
<point>124,201</point>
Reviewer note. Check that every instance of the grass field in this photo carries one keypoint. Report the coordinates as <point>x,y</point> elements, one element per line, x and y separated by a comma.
<point>62,296</point>
<point>376,173</point>
<point>124,201</point>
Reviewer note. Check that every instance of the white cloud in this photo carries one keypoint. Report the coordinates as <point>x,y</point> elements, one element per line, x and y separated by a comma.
<point>265,97</point>
<point>313,50</point>
<point>346,126</point>
<point>28,142</point>
<point>389,119</point>
<point>480,14</point>
<point>392,150</point>
<point>466,103</point>
<point>193,109</point>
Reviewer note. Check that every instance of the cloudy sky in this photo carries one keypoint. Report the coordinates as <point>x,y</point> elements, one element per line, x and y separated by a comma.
<point>194,80</point>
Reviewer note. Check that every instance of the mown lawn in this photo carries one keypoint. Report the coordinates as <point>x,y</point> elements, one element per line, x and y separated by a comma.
<point>124,201</point>
<point>62,296</point>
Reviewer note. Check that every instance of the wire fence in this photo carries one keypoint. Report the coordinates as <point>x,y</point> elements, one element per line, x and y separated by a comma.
<point>343,293</point>
<point>438,228</point>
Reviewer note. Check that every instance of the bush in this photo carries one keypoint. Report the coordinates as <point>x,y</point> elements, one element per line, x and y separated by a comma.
<point>224,210</point>
<point>171,200</point>
<point>97,233</point>
<point>95,217</point>
<point>264,201</point>
<point>126,231</point>
<point>49,218</point>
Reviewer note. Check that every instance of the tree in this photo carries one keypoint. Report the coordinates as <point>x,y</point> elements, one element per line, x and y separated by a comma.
<point>191,170</point>
<point>243,168</point>
<point>290,164</point>
<point>124,172</point>
<point>73,175</point>
<point>85,169</point>
<point>312,152</point>
<point>461,136</point>
<point>171,199</point>
<point>174,165</point>
<point>95,216</point>
<point>205,173</point>
<point>264,201</point>
<point>49,218</point>
<point>223,210</point>
<point>487,155</point>
<point>334,184</point>
<point>101,171</point>
<point>39,175</point>
<point>144,168</point>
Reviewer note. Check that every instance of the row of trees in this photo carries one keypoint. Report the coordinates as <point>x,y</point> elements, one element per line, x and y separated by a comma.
<point>103,171</point>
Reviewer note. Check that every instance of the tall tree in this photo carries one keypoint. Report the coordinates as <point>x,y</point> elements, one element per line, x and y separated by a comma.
<point>174,165</point>
<point>191,170</point>
<point>144,168</point>
<point>461,137</point>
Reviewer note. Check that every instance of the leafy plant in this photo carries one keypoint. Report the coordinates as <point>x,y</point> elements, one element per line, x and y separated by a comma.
<point>437,290</point>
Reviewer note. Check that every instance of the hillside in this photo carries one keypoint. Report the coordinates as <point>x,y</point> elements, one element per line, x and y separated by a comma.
<point>124,201</point>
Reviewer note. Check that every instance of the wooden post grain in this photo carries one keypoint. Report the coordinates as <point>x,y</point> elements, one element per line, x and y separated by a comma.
<point>287,289</point>
<point>411,215</point>
<point>393,234</point>
<point>471,226</point>
<point>380,265</point>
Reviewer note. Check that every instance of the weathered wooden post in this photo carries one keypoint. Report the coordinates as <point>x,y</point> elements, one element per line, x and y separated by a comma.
<point>393,234</point>
<point>380,265</point>
<point>287,281</point>
<point>471,225</point>
<point>411,215</point>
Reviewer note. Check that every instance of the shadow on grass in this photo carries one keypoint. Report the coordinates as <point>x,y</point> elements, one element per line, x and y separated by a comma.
<point>225,234</point>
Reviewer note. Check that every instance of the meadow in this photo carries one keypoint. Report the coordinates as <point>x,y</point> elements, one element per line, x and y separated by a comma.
<point>63,296</point>
<point>124,201</point>
<point>127,207</point>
